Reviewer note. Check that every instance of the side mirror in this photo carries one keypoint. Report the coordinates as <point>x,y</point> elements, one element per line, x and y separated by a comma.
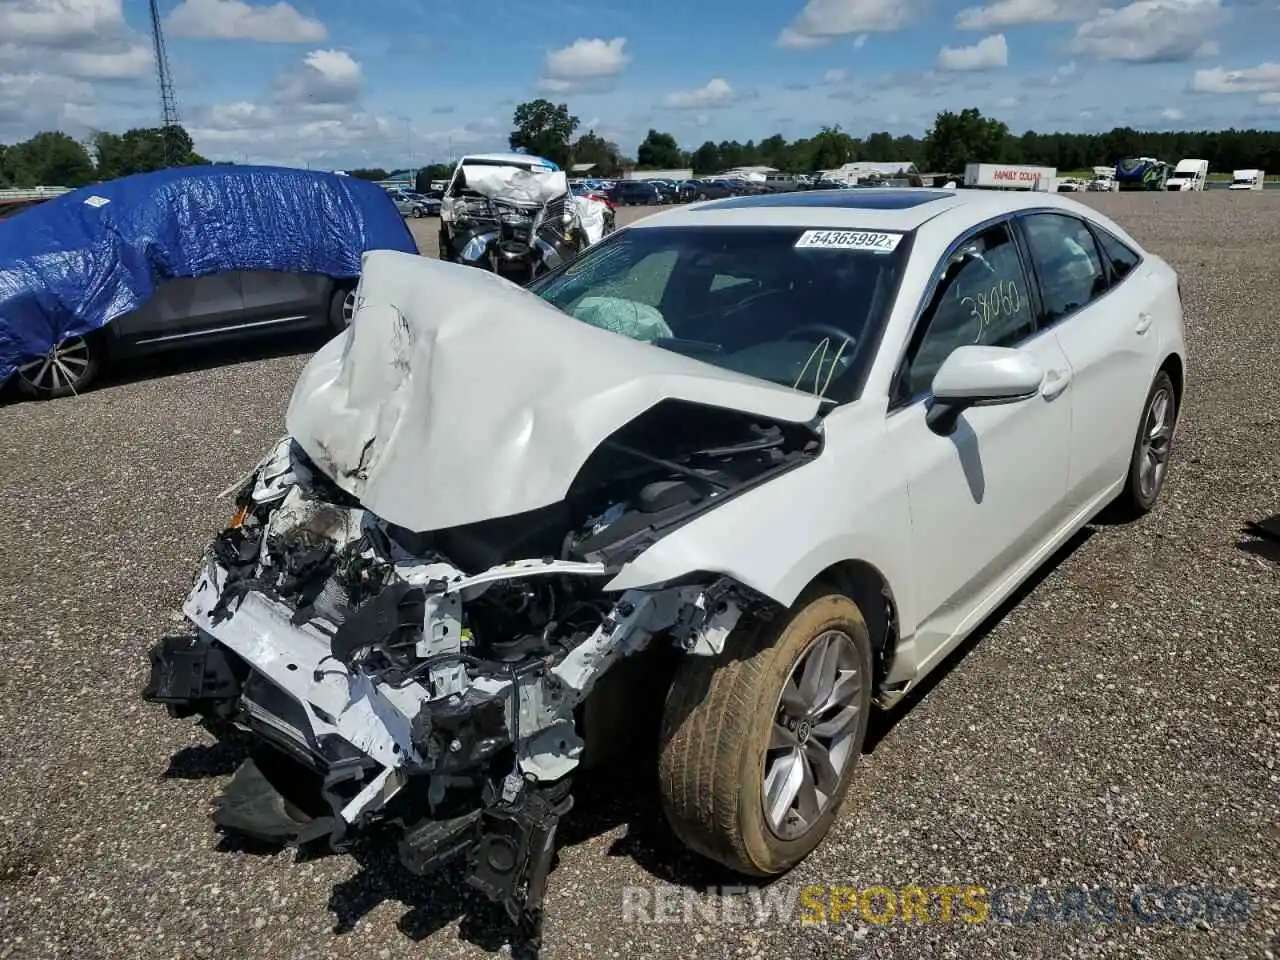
<point>975,376</point>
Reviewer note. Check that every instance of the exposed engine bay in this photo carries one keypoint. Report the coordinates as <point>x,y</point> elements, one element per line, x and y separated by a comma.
<point>430,681</point>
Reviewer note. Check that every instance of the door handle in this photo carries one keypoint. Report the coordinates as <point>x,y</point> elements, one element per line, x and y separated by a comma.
<point>1144,322</point>
<point>1055,381</point>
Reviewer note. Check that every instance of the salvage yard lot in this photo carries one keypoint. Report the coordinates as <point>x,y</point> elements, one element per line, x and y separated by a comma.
<point>1118,725</point>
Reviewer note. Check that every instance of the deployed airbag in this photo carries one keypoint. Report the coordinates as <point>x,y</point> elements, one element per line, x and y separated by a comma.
<point>73,264</point>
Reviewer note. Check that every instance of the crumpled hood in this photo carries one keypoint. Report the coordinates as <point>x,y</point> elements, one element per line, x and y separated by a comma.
<point>457,396</point>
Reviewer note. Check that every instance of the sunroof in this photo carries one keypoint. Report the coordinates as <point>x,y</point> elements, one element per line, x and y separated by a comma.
<point>858,198</point>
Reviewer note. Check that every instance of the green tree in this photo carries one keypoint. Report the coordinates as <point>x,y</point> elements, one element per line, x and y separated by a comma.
<point>142,150</point>
<point>590,148</point>
<point>49,159</point>
<point>659,151</point>
<point>831,147</point>
<point>881,147</point>
<point>707,159</point>
<point>5,179</point>
<point>368,173</point>
<point>964,137</point>
<point>544,129</point>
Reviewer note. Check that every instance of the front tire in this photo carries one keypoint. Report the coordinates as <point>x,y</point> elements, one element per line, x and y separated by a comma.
<point>759,744</point>
<point>65,370</point>
<point>1149,461</point>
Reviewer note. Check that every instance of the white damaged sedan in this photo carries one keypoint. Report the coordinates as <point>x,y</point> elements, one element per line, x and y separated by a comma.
<point>786,450</point>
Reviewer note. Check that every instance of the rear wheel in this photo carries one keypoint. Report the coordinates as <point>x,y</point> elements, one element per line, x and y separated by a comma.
<point>1149,462</point>
<point>759,744</point>
<point>65,369</point>
<point>342,308</point>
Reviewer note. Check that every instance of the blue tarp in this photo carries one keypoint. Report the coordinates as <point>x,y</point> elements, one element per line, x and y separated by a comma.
<point>73,264</point>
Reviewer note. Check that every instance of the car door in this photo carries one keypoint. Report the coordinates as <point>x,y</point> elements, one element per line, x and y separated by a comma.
<point>181,310</point>
<point>986,500</point>
<point>277,296</point>
<point>1100,310</point>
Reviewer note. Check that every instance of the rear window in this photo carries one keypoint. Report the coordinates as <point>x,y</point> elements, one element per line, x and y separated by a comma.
<point>800,308</point>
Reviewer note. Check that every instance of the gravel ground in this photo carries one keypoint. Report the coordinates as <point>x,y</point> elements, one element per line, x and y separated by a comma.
<point>1117,725</point>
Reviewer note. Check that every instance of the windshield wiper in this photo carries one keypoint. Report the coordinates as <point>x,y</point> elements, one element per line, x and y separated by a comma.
<point>671,465</point>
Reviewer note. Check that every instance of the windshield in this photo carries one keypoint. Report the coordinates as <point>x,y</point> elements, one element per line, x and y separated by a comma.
<point>801,308</point>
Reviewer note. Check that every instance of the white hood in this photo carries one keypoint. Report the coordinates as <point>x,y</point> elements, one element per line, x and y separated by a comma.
<point>520,184</point>
<point>457,396</point>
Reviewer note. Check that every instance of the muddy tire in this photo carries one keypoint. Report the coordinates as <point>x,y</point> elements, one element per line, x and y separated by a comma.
<point>1149,459</point>
<point>744,729</point>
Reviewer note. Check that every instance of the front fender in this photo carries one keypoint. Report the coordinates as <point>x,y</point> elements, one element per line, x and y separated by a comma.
<point>850,503</point>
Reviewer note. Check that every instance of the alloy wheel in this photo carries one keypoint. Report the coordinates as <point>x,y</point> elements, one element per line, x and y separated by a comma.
<point>812,738</point>
<point>1157,439</point>
<point>62,367</point>
<point>348,308</point>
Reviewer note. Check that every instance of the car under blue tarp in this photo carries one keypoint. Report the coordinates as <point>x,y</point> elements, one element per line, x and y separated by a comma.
<point>73,264</point>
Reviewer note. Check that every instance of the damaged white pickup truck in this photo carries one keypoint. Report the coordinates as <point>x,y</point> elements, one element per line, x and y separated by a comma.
<point>709,439</point>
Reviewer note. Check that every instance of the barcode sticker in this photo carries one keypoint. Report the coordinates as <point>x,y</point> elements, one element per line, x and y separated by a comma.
<point>849,240</point>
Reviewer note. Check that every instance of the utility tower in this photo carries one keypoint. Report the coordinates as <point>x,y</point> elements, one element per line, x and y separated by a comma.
<point>168,103</point>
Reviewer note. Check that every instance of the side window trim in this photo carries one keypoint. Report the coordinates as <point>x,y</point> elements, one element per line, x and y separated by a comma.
<point>1105,262</point>
<point>926,300</point>
<point>1099,233</point>
<point>919,331</point>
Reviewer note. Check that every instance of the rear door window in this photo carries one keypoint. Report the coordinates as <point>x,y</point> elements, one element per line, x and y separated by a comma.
<point>1067,263</point>
<point>1118,254</point>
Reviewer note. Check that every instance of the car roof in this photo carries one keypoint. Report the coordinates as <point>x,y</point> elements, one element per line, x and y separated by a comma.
<point>879,208</point>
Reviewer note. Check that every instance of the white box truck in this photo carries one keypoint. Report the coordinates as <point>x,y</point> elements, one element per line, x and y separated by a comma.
<point>1007,176</point>
<point>1248,180</point>
<point>1188,175</point>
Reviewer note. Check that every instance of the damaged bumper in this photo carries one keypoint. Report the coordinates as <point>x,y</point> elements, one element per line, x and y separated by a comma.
<point>383,685</point>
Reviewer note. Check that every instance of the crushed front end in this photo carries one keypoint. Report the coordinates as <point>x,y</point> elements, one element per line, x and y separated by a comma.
<point>386,683</point>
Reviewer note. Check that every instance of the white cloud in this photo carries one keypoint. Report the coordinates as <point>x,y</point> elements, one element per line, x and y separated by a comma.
<point>822,21</point>
<point>717,93</point>
<point>59,22</point>
<point>237,20</point>
<point>30,102</point>
<point>988,53</point>
<point>1264,80</point>
<point>1260,79</point>
<point>860,41</point>
<point>1007,103</point>
<point>327,78</point>
<point>584,66</point>
<point>1151,31</point>
<point>82,39</point>
<point>1011,13</point>
<point>1172,114</point>
<point>313,115</point>
<point>835,76</point>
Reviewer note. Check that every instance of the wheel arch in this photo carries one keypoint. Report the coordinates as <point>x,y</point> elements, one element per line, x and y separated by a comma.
<point>868,587</point>
<point>1172,365</point>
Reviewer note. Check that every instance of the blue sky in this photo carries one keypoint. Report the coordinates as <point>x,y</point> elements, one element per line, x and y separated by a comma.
<point>332,83</point>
